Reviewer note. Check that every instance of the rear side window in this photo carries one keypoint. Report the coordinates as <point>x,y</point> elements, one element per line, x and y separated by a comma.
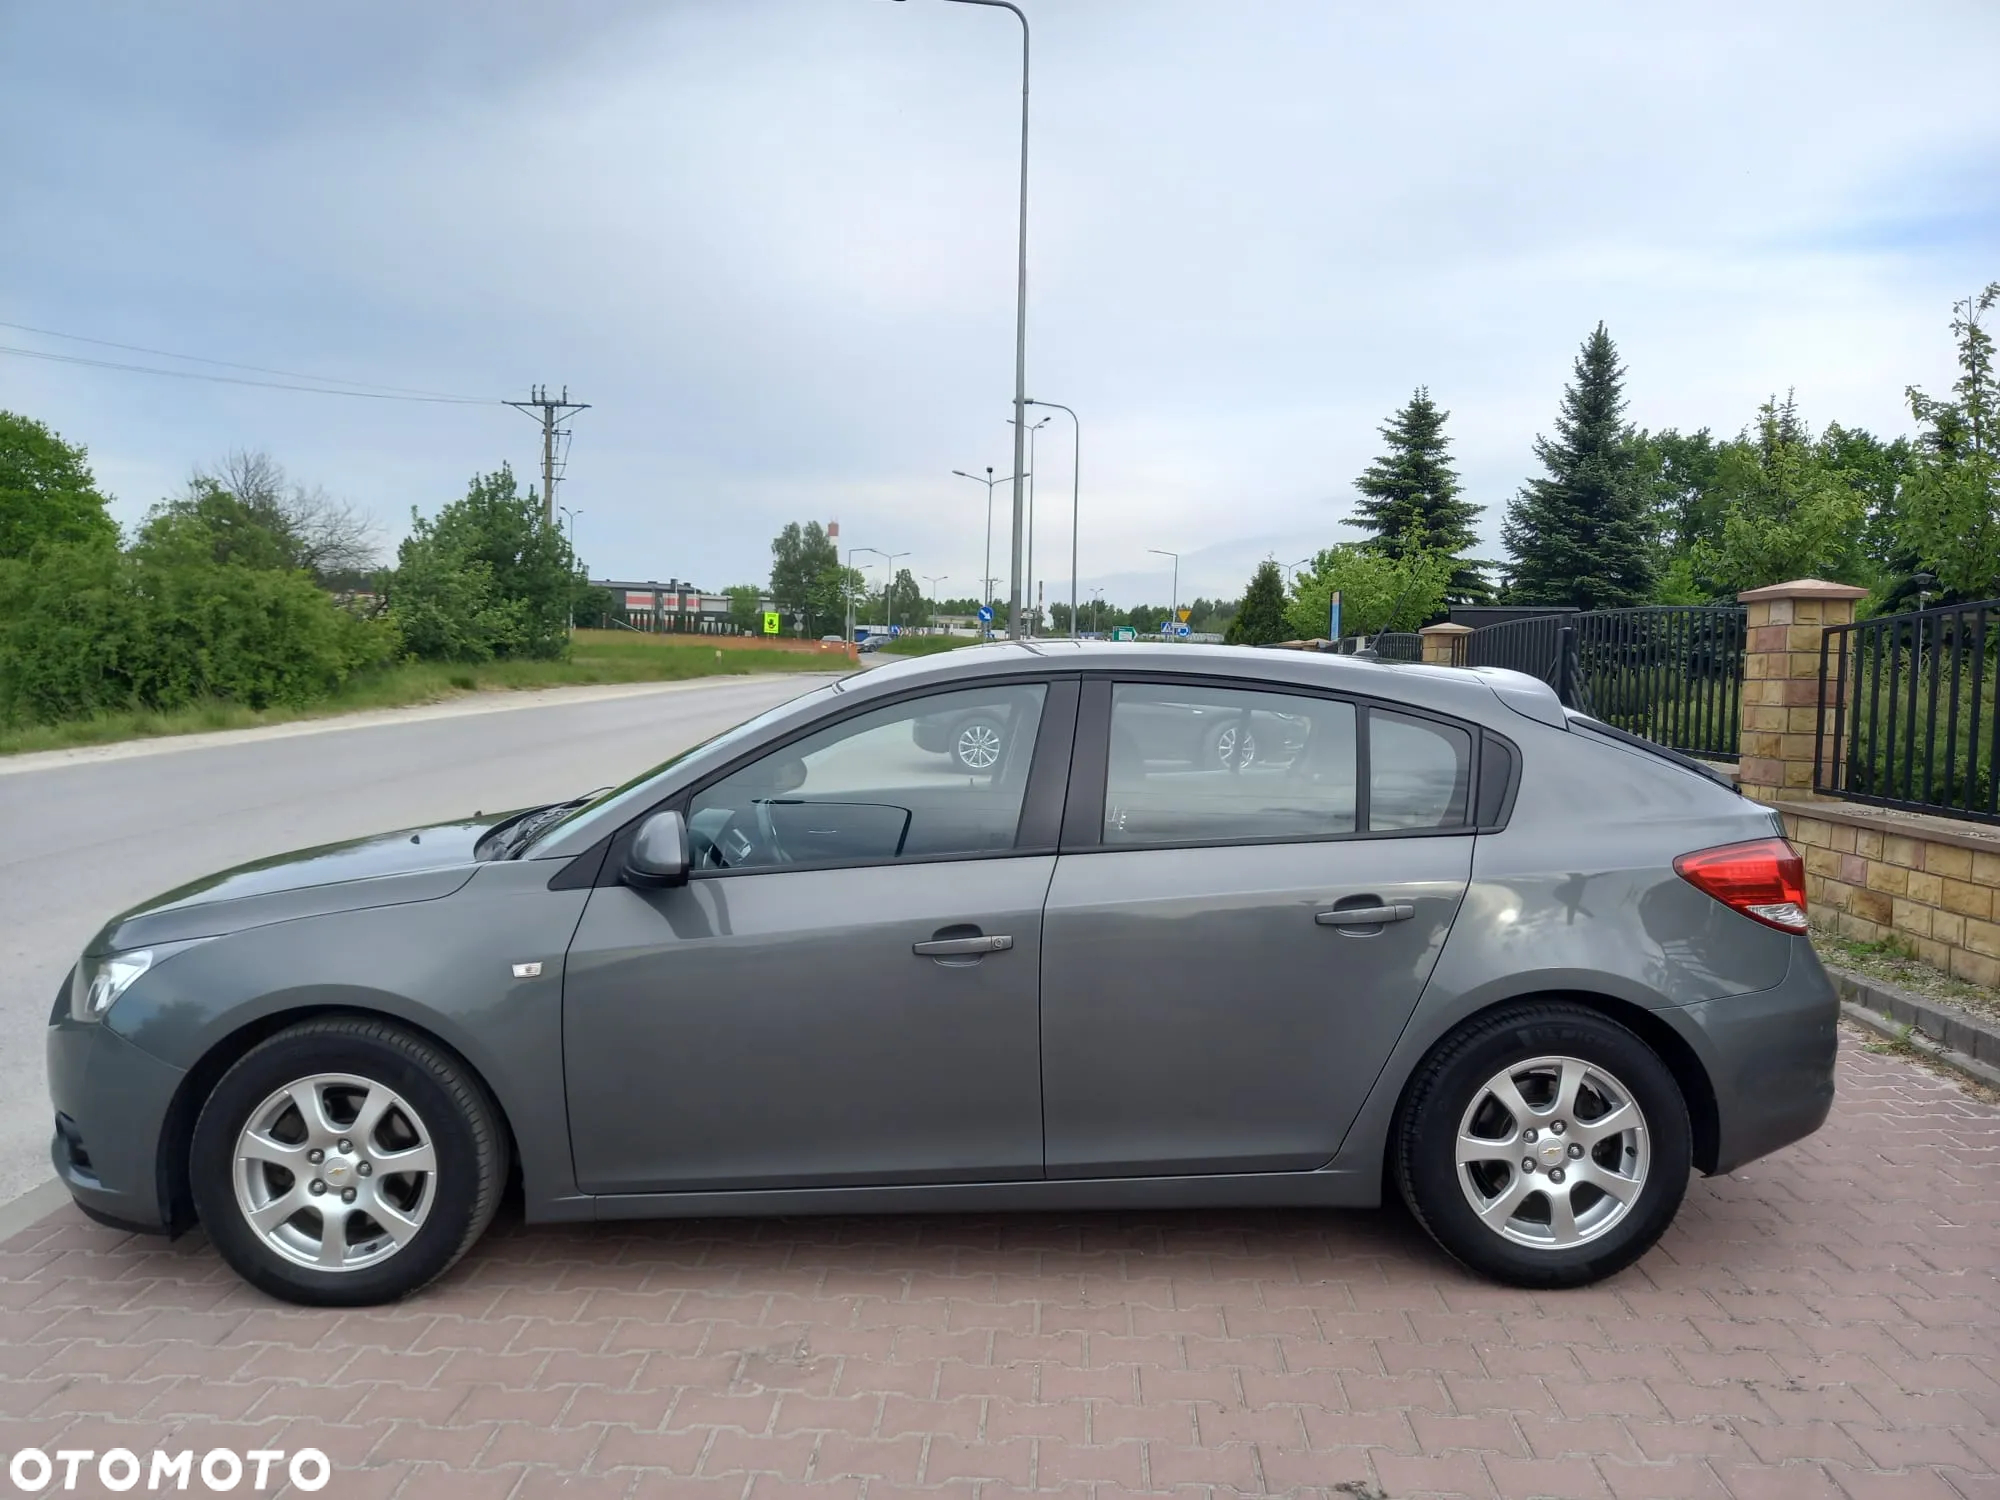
<point>1419,773</point>
<point>1198,764</point>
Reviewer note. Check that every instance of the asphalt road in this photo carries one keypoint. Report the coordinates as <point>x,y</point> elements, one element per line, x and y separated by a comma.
<point>87,837</point>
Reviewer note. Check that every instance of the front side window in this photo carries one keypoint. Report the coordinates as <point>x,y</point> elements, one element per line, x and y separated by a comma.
<point>1198,764</point>
<point>929,778</point>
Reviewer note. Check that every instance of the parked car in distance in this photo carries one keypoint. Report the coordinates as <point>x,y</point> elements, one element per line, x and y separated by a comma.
<point>1165,730</point>
<point>1420,931</point>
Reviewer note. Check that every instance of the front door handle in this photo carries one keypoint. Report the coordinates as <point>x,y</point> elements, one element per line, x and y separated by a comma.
<point>961,947</point>
<point>1365,916</point>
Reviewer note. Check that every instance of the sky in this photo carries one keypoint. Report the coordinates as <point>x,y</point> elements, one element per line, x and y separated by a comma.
<point>772,244</point>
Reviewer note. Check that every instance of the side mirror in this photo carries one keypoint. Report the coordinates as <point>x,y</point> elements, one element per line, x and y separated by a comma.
<point>658,854</point>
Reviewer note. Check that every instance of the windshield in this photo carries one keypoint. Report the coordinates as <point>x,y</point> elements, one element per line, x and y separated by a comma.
<point>612,806</point>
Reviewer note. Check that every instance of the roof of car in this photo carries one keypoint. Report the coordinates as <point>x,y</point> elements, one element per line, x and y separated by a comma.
<point>1476,691</point>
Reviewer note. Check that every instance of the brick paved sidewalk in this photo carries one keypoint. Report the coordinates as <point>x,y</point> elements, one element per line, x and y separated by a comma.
<point>1826,1324</point>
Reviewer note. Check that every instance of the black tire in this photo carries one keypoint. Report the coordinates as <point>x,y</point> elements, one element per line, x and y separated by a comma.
<point>465,1133</point>
<point>979,744</point>
<point>1423,1145</point>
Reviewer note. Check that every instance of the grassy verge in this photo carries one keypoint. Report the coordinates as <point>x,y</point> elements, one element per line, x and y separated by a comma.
<point>598,656</point>
<point>1895,963</point>
<point>927,645</point>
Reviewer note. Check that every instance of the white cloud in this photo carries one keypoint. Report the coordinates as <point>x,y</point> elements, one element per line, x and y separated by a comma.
<point>772,244</point>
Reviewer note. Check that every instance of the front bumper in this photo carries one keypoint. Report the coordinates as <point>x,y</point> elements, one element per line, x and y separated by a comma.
<point>1769,1057</point>
<point>111,1104</point>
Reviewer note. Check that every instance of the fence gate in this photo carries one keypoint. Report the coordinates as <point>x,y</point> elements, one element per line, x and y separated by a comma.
<point>1672,674</point>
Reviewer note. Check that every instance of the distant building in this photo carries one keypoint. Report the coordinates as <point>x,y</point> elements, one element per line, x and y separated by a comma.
<point>675,606</point>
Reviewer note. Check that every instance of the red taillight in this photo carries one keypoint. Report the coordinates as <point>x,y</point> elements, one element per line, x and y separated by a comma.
<point>1764,879</point>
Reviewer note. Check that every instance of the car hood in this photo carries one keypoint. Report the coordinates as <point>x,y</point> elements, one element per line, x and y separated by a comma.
<point>411,864</point>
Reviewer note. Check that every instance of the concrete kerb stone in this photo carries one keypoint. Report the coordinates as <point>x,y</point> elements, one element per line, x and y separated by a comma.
<point>1967,1044</point>
<point>33,1206</point>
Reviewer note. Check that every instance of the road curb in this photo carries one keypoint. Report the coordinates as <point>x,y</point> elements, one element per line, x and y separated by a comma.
<point>1967,1044</point>
<point>33,1206</point>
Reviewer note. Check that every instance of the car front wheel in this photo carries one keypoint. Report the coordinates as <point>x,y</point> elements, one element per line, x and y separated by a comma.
<point>978,744</point>
<point>1545,1145</point>
<point>346,1161</point>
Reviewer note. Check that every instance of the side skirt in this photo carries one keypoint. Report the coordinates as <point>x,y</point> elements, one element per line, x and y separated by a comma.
<point>1322,1189</point>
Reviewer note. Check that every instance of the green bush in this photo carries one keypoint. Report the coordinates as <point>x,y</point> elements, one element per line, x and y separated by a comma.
<point>87,629</point>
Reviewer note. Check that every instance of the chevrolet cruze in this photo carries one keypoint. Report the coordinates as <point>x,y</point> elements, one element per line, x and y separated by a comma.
<point>1435,936</point>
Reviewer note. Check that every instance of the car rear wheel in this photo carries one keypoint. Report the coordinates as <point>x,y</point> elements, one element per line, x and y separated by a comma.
<point>346,1161</point>
<point>1545,1145</point>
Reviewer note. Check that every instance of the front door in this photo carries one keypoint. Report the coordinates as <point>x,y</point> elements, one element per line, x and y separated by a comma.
<point>846,990</point>
<point>1234,949</point>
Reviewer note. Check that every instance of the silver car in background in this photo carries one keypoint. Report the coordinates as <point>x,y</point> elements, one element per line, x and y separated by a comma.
<point>1188,926</point>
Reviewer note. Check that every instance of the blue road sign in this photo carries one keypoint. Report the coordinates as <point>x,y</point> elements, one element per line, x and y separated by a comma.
<point>986,613</point>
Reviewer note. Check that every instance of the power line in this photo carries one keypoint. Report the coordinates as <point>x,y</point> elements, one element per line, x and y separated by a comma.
<point>229,364</point>
<point>317,390</point>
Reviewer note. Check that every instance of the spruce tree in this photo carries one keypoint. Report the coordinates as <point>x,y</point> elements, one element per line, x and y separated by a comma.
<point>1411,495</point>
<point>1581,536</point>
<point>1260,618</point>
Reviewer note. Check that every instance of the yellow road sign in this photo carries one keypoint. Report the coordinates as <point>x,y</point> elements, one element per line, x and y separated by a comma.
<point>770,622</point>
<point>1184,615</point>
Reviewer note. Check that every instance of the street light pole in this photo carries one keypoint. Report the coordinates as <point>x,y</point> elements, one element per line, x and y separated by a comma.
<point>572,515</point>
<point>1096,618</point>
<point>1034,597</point>
<point>1174,609</point>
<point>1075,470</point>
<point>1020,321</point>
<point>989,481</point>
<point>846,589</point>
<point>934,582</point>
<point>889,589</point>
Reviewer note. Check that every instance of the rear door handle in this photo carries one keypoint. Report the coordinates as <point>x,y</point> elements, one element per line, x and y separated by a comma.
<point>960,947</point>
<point>1365,916</point>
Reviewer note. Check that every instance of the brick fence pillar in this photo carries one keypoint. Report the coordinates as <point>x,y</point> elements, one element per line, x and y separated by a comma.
<point>1444,645</point>
<point>1781,682</point>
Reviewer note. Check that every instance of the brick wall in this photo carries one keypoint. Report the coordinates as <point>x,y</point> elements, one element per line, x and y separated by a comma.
<point>1871,876</point>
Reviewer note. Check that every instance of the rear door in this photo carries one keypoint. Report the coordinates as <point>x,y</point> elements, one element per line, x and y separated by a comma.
<point>1233,946</point>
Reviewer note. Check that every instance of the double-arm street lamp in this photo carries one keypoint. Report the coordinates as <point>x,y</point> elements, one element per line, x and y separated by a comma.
<point>934,582</point>
<point>989,481</point>
<point>1020,322</point>
<point>1075,467</point>
<point>889,588</point>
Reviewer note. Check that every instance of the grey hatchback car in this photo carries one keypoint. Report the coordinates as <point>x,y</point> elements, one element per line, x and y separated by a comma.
<point>1439,937</point>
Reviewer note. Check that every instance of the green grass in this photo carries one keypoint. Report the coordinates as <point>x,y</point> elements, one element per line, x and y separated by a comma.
<point>597,656</point>
<point>927,645</point>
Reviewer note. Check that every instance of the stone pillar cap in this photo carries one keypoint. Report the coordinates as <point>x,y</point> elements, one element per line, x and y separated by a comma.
<point>1446,629</point>
<point>1802,588</point>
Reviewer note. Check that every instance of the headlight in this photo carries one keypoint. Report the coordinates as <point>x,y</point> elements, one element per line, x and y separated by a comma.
<point>100,981</point>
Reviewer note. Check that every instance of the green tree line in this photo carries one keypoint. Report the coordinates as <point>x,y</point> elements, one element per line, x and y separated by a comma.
<point>1620,515</point>
<point>251,588</point>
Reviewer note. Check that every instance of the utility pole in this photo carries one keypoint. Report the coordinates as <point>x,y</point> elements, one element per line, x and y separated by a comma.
<point>549,410</point>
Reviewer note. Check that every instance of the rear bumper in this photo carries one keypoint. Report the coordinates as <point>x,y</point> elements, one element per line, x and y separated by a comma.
<point>1769,1057</point>
<point>111,1102</point>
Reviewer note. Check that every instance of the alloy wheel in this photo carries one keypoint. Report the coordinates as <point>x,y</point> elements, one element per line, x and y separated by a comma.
<point>978,747</point>
<point>335,1172</point>
<point>1552,1152</point>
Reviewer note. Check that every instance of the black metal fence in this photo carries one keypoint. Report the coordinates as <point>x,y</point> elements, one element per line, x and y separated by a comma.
<point>1390,645</point>
<point>1907,715</point>
<point>1670,673</point>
